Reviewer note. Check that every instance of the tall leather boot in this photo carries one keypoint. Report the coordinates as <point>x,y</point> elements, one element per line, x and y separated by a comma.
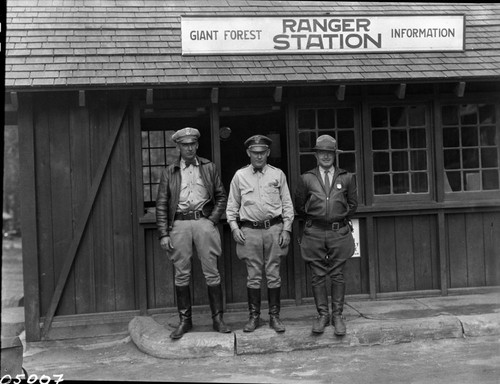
<point>338,294</point>
<point>321,299</point>
<point>215,297</point>
<point>254,309</point>
<point>184,307</point>
<point>273,295</point>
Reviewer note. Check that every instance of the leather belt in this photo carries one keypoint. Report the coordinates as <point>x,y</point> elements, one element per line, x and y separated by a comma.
<point>262,224</point>
<point>191,215</point>
<point>335,226</point>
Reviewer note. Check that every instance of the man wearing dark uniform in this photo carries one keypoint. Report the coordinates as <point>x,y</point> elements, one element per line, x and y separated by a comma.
<point>326,197</point>
<point>190,202</point>
<point>260,214</point>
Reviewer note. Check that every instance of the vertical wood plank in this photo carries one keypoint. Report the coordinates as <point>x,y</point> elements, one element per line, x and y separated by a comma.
<point>475,250</point>
<point>164,286</point>
<point>491,231</point>
<point>372,255</point>
<point>102,214</point>
<point>422,251</point>
<point>150,267</point>
<point>226,259</point>
<point>121,209</point>
<point>457,250</point>
<point>298,263</point>
<point>444,261</point>
<point>387,266</point>
<point>141,256</point>
<point>80,188</point>
<point>404,253</point>
<point>60,185</point>
<point>44,202</point>
<point>27,185</point>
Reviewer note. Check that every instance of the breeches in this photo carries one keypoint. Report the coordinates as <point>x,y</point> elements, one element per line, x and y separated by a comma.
<point>203,235</point>
<point>261,251</point>
<point>326,252</point>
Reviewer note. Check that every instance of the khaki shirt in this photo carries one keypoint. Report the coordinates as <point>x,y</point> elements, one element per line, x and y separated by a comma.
<point>259,196</point>
<point>193,194</point>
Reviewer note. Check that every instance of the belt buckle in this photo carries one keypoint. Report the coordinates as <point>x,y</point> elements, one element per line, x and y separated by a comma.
<point>335,226</point>
<point>267,224</point>
<point>197,215</point>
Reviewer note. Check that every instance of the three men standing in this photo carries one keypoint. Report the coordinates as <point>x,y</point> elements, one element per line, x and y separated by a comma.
<point>191,199</point>
<point>326,197</point>
<point>260,214</point>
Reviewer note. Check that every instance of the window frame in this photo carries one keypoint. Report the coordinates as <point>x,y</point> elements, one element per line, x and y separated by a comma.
<point>358,146</point>
<point>464,196</point>
<point>368,153</point>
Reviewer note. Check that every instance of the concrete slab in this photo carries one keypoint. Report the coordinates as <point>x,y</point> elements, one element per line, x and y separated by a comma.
<point>360,332</point>
<point>465,304</point>
<point>154,339</point>
<point>480,325</point>
<point>392,309</point>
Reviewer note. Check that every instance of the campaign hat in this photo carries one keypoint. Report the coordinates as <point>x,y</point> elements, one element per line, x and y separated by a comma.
<point>326,143</point>
<point>258,143</point>
<point>186,135</point>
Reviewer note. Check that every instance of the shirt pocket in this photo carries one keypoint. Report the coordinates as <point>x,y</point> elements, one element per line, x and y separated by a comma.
<point>247,196</point>
<point>273,193</point>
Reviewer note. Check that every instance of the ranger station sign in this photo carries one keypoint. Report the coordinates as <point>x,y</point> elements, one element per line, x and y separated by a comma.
<point>203,35</point>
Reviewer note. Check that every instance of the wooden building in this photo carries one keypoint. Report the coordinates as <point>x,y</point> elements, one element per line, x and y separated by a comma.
<point>96,89</point>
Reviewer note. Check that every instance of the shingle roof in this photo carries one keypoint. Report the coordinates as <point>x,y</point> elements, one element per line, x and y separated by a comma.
<point>85,43</point>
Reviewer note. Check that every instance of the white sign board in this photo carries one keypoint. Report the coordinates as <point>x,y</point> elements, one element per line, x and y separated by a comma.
<point>321,34</point>
<point>355,234</point>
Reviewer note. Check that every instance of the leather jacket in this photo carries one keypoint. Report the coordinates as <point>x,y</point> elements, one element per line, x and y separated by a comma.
<point>311,201</point>
<point>170,188</point>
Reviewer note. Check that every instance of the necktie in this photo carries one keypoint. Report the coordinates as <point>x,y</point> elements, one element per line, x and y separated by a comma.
<point>191,162</point>
<point>255,170</point>
<point>327,183</point>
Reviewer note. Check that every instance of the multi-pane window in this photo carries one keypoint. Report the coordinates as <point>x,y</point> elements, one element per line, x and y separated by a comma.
<point>470,147</point>
<point>158,150</point>
<point>400,150</point>
<point>336,122</point>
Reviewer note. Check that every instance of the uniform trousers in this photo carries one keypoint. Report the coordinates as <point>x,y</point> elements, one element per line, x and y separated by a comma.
<point>326,252</point>
<point>203,235</point>
<point>261,251</point>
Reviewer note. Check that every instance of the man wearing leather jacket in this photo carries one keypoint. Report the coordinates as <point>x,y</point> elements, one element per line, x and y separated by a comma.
<point>190,202</point>
<point>326,197</point>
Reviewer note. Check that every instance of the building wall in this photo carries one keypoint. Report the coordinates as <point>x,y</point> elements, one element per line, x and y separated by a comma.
<point>103,232</point>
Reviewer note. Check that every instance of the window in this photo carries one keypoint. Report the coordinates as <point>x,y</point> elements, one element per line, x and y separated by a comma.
<point>470,147</point>
<point>339,123</point>
<point>400,150</point>
<point>158,150</point>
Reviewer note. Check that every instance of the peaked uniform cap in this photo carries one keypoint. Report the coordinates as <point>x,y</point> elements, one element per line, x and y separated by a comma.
<point>326,143</point>
<point>186,135</point>
<point>258,142</point>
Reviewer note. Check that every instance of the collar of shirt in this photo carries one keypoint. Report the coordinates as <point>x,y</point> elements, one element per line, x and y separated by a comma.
<point>330,170</point>
<point>184,164</point>
<point>263,170</point>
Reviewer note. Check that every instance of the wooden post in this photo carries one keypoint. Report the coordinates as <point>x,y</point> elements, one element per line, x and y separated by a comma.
<point>27,188</point>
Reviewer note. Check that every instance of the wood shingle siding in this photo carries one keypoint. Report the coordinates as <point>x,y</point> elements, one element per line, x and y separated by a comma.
<point>75,44</point>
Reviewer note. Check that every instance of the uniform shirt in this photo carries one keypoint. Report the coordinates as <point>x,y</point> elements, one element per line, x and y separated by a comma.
<point>193,194</point>
<point>259,196</point>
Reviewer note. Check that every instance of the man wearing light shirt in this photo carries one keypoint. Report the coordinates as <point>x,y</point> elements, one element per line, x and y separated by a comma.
<point>326,197</point>
<point>260,214</point>
<point>191,199</point>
